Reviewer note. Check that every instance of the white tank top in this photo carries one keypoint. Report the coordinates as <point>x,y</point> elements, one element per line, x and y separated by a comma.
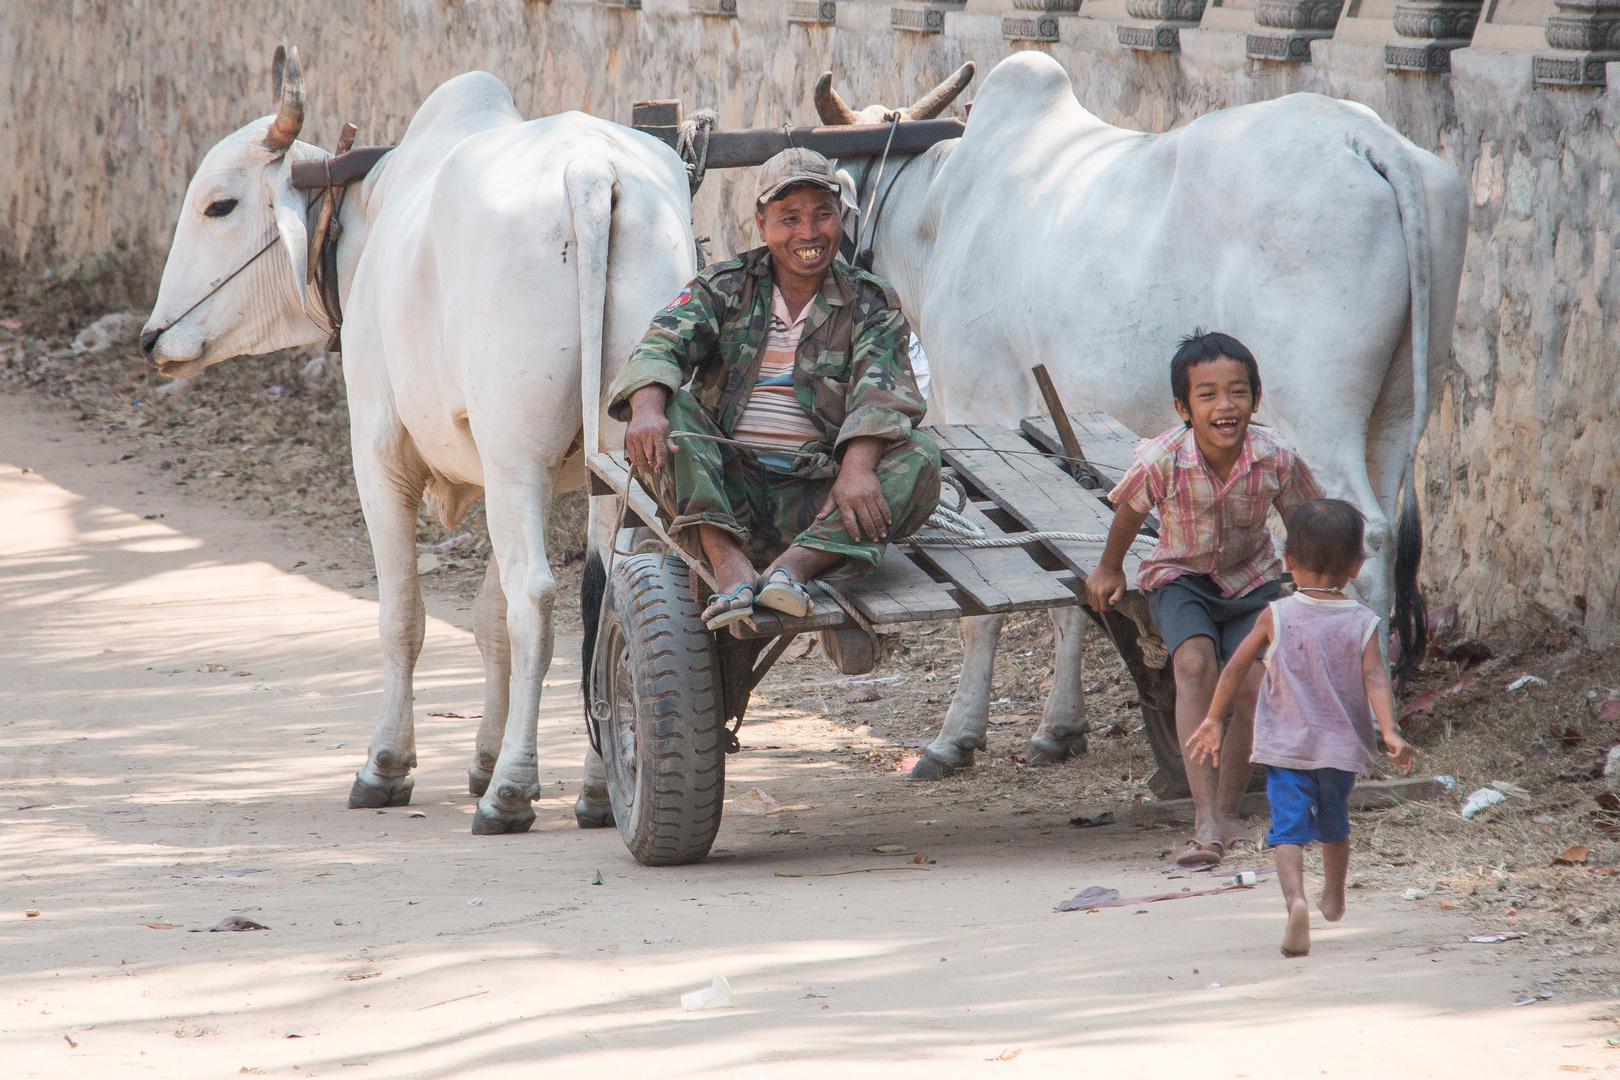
<point>1313,711</point>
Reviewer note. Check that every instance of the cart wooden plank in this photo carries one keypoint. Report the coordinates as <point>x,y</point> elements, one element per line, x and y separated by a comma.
<point>1038,494</point>
<point>898,591</point>
<point>1107,443</point>
<point>825,614</point>
<point>1109,446</point>
<point>997,580</point>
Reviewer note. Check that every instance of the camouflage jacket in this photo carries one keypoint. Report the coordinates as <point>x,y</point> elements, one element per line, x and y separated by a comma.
<point>851,371</point>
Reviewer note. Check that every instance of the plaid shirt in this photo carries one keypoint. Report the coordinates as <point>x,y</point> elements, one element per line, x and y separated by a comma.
<point>1207,527</point>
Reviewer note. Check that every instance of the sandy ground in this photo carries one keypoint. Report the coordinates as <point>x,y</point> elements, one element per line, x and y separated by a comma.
<point>142,788</point>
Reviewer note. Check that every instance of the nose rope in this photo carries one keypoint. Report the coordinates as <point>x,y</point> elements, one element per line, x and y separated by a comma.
<point>863,255</point>
<point>151,343</point>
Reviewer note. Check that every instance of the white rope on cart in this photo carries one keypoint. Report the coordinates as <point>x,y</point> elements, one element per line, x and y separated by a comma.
<point>949,527</point>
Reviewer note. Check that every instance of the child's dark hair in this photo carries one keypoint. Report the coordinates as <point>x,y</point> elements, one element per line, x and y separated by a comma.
<point>1325,536</point>
<point>1201,348</point>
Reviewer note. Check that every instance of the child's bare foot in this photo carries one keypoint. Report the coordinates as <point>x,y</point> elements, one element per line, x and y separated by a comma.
<point>1332,903</point>
<point>1297,939</point>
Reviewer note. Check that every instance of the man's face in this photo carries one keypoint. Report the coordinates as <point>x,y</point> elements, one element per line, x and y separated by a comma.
<point>802,231</point>
<point>1219,403</point>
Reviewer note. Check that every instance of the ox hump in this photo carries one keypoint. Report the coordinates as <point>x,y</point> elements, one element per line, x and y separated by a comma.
<point>1025,85</point>
<point>469,102</point>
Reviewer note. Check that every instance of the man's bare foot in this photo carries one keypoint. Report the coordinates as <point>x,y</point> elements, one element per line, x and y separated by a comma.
<point>1297,939</point>
<point>1332,904</point>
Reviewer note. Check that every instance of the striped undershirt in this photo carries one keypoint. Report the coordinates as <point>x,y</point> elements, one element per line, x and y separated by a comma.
<point>773,416</point>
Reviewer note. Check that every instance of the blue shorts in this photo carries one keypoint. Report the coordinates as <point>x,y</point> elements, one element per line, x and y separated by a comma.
<point>1308,804</point>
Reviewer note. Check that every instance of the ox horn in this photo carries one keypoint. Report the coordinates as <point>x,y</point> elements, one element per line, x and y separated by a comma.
<point>829,106</point>
<point>289,85</point>
<point>936,100</point>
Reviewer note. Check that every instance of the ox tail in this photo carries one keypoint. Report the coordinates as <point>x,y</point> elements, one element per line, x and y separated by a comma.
<point>590,205</point>
<point>1411,615</point>
<point>589,185</point>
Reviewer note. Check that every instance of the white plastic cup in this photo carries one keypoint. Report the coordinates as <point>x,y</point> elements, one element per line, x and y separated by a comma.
<point>1247,877</point>
<point>717,995</point>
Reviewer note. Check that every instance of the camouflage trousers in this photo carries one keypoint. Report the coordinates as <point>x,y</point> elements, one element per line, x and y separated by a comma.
<point>769,509</point>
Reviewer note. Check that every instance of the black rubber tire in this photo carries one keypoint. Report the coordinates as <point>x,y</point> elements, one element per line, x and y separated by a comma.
<point>657,672</point>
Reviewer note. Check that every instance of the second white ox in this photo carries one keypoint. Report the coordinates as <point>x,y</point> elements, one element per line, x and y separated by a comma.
<point>1306,227</point>
<point>489,269</point>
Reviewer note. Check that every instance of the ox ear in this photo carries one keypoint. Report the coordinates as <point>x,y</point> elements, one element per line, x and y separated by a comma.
<point>847,190</point>
<point>294,230</point>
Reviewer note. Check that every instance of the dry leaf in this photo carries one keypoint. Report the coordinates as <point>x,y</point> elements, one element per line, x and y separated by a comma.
<point>1574,856</point>
<point>1005,1055</point>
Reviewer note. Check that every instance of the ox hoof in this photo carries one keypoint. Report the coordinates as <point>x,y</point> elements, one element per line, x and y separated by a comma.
<point>478,780</point>
<point>929,767</point>
<point>488,822</point>
<point>1052,752</point>
<point>393,791</point>
<point>593,815</point>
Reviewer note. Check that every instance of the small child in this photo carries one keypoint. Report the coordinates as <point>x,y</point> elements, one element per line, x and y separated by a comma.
<point>1313,724</point>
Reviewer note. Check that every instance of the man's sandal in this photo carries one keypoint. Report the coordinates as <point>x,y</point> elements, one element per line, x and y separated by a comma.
<point>782,593</point>
<point>1196,854</point>
<point>727,608</point>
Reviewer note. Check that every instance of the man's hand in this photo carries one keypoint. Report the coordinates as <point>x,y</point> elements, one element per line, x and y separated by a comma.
<point>646,441</point>
<point>1205,742</point>
<point>1105,587</point>
<point>857,496</point>
<point>1399,751</point>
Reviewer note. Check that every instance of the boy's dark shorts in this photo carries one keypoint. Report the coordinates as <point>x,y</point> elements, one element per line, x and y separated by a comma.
<point>1308,804</point>
<point>1192,605</point>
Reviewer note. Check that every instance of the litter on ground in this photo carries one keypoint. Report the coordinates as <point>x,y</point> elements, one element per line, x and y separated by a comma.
<point>717,995</point>
<point>755,803</point>
<point>1480,800</point>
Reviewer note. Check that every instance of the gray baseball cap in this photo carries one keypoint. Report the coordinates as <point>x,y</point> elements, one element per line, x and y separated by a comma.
<point>795,165</point>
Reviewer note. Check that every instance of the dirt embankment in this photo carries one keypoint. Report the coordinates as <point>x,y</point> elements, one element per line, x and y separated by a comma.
<point>271,434</point>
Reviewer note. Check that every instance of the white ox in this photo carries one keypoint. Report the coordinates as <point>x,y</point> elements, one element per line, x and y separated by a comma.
<point>492,273</point>
<point>1306,227</point>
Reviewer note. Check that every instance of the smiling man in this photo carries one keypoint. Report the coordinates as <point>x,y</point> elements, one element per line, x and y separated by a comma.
<point>772,410</point>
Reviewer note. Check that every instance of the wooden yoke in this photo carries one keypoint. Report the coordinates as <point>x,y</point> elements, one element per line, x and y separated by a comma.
<point>756,146</point>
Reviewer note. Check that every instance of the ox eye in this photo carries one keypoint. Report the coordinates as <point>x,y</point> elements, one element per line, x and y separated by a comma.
<point>220,207</point>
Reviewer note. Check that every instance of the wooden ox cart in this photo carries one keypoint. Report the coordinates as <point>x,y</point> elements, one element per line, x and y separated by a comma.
<point>666,696</point>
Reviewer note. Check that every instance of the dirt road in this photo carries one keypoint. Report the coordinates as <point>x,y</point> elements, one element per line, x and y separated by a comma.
<point>185,695</point>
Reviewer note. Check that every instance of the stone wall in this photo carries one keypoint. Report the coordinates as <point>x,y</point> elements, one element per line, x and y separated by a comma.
<point>106,107</point>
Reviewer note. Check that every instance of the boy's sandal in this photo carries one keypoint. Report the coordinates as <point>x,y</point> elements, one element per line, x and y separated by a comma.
<point>1196,854</point>
<point>727,608</point>
<point>782,593</point>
